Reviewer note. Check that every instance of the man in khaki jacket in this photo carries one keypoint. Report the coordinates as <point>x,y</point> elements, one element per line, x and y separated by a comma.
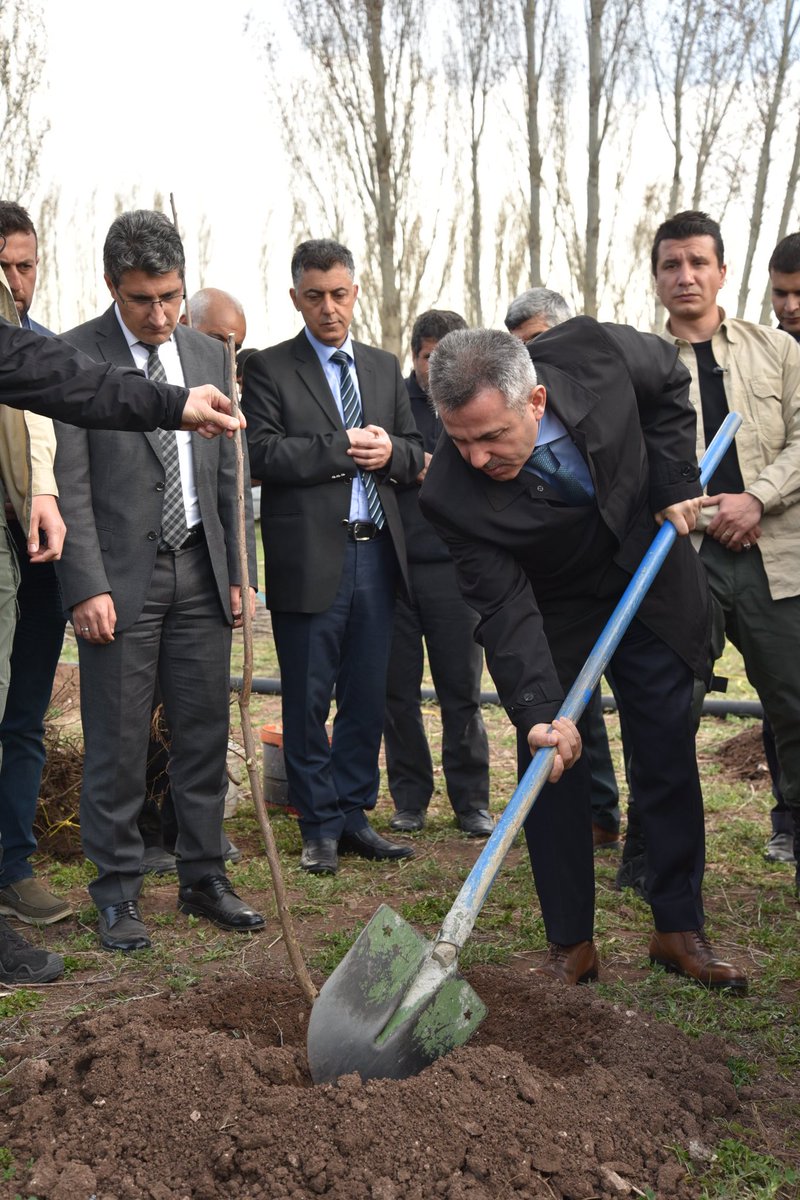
<point>752,526</point>
<point>27,445</point>
<point>39,632</point>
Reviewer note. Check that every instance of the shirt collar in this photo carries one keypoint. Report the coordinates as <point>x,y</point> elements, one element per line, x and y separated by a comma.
<point>724,326</point>
<point>326,353</point>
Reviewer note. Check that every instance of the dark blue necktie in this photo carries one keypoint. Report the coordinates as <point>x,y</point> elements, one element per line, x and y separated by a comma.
<point>561,477</point>
<point>353,419</point>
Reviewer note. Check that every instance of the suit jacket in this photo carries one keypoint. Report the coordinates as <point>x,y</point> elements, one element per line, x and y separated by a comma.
<point>530,564</point>
<point>112,487</point>
<point>298,449</point>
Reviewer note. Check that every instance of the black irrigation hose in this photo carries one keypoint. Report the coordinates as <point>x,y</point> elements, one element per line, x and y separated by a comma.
<point>264,686</point>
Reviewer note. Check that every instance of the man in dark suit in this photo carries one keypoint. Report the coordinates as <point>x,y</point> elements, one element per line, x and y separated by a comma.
<point>435,619</point>
<point>331,431</point>
<point>548,493</point>
<point>150,576</point>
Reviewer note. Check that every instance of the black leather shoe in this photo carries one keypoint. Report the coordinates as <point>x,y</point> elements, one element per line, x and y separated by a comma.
<point>408,820</point>
<point>213,897</point>
<point>121,927</point>
<point>478,824</point>
<point>369,844</point>
<point>157,861</point>
<point>319,856</point>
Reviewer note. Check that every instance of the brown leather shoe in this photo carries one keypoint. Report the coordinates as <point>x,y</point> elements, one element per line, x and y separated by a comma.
<point>604,839</point>
<point>570,964</point>
<point>690,953</point>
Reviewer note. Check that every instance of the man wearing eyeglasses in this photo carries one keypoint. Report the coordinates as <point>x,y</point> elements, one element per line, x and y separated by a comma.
<point>150,576</point>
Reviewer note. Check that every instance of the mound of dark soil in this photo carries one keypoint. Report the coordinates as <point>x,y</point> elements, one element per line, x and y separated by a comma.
<point>208,1095</point>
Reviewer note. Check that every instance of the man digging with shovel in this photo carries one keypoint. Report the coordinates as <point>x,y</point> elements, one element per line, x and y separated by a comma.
<point>548,492</point>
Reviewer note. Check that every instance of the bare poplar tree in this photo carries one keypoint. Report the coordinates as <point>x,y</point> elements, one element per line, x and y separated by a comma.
<point>355,135</point>
<point>23,49</point>
<point>790,205</point>
<point>540,21</point>
<point>720,61</point>
<point>477,60</point>
<point>774,51</point>
<point>611,35</point>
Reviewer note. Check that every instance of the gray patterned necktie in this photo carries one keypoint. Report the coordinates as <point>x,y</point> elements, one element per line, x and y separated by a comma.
<point>564,480</point>
<point>353,419</point>
<point>174,529</point>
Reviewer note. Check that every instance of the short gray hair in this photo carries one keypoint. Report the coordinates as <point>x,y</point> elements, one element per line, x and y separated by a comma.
<point>321,254</point>
<point>537,302</point>
<point>468,361</point>
<point>142,240</point>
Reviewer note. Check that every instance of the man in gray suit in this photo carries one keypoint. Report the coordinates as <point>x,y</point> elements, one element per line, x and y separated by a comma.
<point>150,576</point>
<point>332,432</point>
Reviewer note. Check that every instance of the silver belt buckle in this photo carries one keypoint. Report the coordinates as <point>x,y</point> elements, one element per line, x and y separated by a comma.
<point>363,537</point>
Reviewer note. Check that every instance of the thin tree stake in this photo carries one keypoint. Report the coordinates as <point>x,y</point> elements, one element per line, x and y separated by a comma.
<point>284,915</point>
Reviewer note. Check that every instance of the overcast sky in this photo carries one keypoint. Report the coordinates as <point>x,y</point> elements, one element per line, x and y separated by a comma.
<point>169,96</point>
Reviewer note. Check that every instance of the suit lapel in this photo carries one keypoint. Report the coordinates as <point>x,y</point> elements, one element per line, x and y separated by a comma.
<point>113,347</point>
<point>310,372</point>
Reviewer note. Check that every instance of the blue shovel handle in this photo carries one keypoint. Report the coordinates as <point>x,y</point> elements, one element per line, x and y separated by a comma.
<point>459,921</point>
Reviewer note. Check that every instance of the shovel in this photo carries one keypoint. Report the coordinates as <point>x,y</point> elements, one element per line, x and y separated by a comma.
<point>396,1002</point>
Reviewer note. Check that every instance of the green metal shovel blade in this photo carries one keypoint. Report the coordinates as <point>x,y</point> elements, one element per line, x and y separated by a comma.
<point>390,1008</point>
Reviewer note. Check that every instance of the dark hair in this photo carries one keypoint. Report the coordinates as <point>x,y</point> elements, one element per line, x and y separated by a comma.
<point>686,225</point>
<point>786,255</point>
<point>14,219</point>
<point>321,254</point>
<point>142,240</point>
<point>434,323</point>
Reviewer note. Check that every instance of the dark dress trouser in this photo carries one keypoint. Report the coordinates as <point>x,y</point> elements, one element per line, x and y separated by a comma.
<point>181,638</point>
<point>654,688</point>
<point>438,614</point>
<point>344,650</point>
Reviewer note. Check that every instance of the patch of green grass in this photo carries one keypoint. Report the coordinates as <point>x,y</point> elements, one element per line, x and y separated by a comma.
<point>335,946</point>
<point>18,1002</point>
<point>426,910</point>
<point>163,920</point>
<point>64,876</point>
<point>737,1171</point>
<point>743,1073</point>
<point>81,942</point>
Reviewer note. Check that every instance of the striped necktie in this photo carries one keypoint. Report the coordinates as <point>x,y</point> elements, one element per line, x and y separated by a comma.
<point>561,477</point>
<point>353,419</point>
<point>174,529</point>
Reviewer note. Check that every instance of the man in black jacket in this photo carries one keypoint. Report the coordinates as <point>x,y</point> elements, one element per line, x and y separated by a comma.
<point>435,612</point>
<point>548,493</point>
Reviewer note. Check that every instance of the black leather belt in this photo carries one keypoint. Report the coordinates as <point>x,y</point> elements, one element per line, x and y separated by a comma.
<point>194,537</point>
<point>363,531</point>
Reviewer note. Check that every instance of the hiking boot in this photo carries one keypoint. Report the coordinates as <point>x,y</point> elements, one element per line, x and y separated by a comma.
<point>20,962</point>
<point>28,901</point>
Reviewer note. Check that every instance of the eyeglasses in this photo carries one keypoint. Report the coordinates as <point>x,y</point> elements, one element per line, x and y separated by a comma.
<point>143,303</point>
